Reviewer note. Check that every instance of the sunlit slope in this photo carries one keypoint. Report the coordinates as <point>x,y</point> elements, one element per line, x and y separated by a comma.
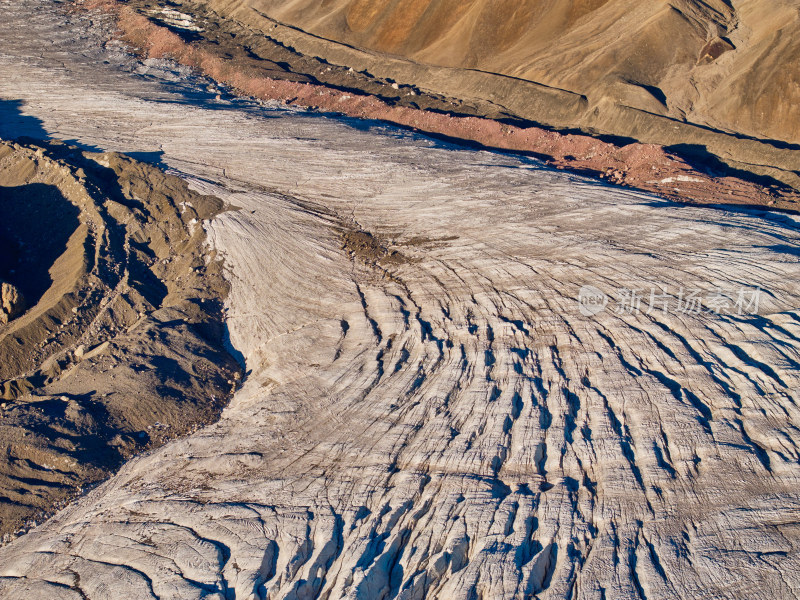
<point>728,66</point>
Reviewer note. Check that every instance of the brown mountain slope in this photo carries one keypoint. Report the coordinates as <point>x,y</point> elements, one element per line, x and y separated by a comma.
<point>732,66</point>
<point>667,72</point>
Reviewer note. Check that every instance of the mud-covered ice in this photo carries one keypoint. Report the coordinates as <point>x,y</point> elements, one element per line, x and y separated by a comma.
<point>428,412</point>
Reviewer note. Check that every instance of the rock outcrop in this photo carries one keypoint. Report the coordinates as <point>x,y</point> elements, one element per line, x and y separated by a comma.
<point>12,302</point>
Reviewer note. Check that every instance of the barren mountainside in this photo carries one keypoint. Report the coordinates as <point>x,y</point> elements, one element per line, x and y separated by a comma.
<point>631,69</point>
<point>731,65</point>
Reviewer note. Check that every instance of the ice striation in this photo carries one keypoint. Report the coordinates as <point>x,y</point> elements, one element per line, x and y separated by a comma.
<point>427,412</point>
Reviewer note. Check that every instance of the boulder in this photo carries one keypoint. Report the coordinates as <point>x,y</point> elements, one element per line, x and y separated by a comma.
<point>12,302</point>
